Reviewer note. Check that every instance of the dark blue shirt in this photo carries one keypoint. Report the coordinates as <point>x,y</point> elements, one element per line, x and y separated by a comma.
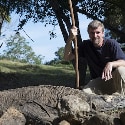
<point>98,57</point>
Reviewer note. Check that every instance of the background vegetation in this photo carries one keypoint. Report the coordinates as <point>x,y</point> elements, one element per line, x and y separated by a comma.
<point>15,75</point>
<point>18,49</point>
<point>57,12</point>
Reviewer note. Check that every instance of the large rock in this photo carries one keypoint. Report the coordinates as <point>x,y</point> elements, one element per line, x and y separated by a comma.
<point>12,117</point>
<point>52,105</point>
<point>73,108</point>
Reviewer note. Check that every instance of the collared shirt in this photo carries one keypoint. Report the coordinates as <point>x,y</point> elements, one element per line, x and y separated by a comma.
<point>97,58</point>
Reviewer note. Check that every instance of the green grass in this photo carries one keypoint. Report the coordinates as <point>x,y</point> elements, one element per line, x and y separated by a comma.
<point>15,74</point>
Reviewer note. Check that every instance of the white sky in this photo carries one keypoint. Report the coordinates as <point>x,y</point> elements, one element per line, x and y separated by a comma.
<point>40,34</point>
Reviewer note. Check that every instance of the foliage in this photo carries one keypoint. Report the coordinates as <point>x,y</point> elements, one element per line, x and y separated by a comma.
<point>4,16</point>
<point>55,61</point>
<point>59,58</point>
<point>19,50</point>
<point>60,53</point>
<point>110,12</point>
<point>115,17</point>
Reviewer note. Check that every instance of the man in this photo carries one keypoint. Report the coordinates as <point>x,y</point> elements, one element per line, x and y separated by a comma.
<point>105,59</point>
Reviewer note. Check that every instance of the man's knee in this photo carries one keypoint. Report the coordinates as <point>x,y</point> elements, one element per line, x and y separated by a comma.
<point>121,70</point>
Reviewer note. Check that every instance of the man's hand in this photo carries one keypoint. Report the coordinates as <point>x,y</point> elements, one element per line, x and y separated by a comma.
<point>107,71</point>
<point>73,32</point>
<point>68,55</point>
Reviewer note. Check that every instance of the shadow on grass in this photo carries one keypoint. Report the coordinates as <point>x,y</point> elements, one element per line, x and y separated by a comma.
<point>16,75</point>
<point>34,77</point>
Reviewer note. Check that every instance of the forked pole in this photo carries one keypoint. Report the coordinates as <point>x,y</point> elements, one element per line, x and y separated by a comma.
<point>75,45</point>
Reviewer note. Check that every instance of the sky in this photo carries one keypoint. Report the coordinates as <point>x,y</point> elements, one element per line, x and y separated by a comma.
<point>42,44</point>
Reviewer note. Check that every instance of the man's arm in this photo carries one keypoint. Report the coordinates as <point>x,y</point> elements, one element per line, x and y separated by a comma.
<point>68,55</point>
<point>107,72</point>
<point>118,63</point>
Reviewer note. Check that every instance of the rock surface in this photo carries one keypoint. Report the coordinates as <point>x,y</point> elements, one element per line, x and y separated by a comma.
<point>12,117</point>
<point>59,105</point>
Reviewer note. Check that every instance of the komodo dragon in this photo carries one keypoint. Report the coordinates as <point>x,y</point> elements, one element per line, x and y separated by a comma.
<point>40,105</point>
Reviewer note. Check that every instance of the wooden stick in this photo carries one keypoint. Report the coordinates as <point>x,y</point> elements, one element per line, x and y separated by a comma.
<point>76,48</point>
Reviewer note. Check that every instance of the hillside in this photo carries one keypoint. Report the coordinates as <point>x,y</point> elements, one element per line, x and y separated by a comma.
<point>39,104</point>
<point>16,75</point>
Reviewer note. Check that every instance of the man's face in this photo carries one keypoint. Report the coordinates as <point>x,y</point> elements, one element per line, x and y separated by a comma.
<point>96,36</point>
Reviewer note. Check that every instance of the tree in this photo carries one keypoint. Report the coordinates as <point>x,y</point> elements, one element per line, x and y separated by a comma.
<point>60,53</point>
<point>59,58</point>
<point>19,50</point>
<point>115,18</point>
<point>56,12</point>
<point>4,16</point>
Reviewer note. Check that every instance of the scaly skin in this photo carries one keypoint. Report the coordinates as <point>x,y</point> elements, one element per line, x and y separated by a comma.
<point>40,102</point>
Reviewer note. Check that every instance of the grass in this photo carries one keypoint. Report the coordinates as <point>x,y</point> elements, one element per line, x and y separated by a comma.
<point>15,74</point>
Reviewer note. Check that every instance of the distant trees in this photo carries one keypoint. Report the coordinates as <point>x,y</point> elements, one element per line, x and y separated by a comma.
<point>57,12</point>
<point>19,50</point>
<point>59,58</point>
<point>60,53</point>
